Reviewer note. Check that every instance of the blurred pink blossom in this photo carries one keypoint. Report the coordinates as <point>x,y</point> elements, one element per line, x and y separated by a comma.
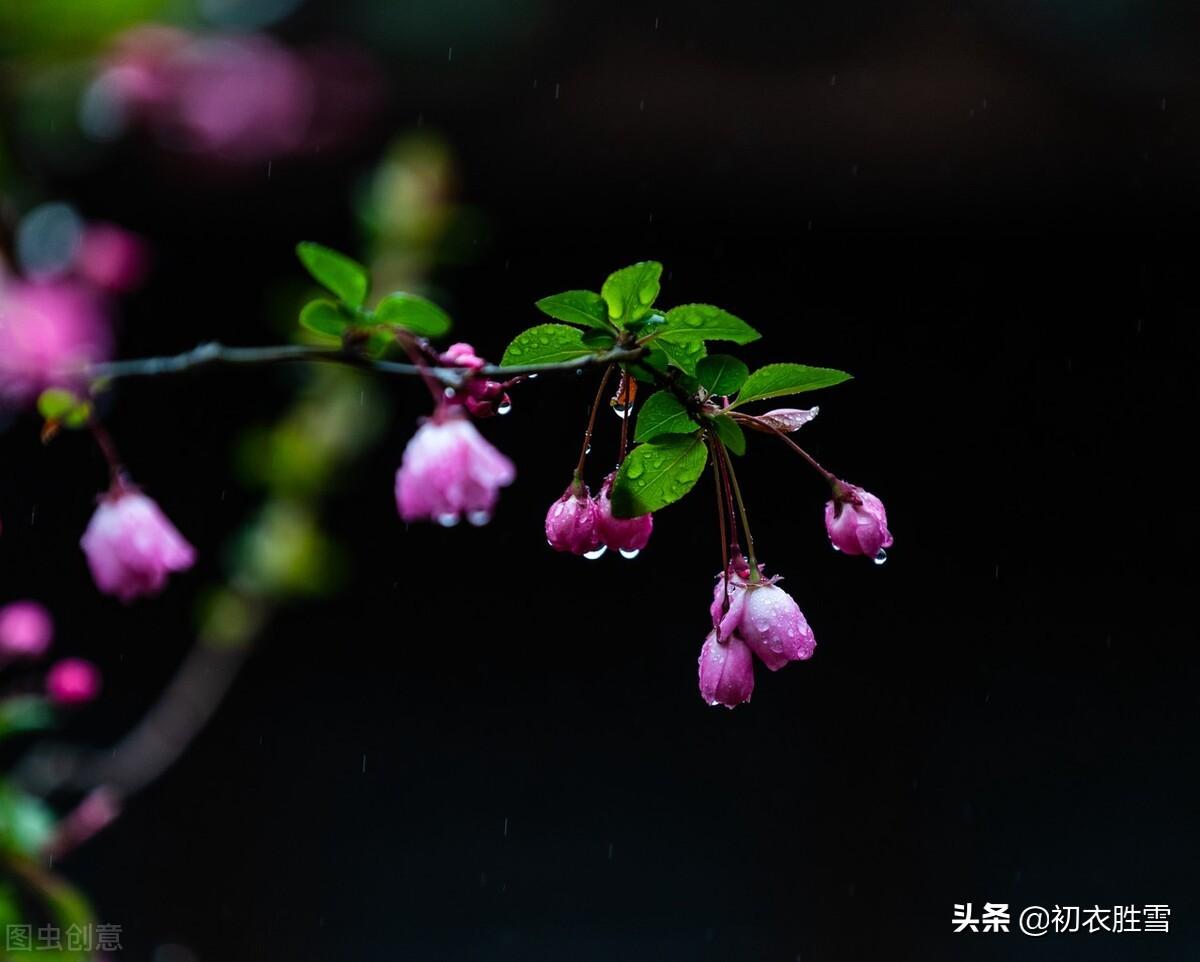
<point>132,547</point>
<point>48,331</point>
<point>72,681</point>
<point>26,630</point>
<point>449,471</point>
<point>111,257</point>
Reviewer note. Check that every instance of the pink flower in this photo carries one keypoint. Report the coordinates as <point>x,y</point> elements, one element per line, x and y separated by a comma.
<point>48,331</point>
<point>726,671</point>
<point>131,547</point>
<point>628,535</point>
<point>482,397</point>
<point>765,617</point>
<point>857,522</point>
<point>571,521</point>
<point>72,681</point>
<point>111,257</point>
<point>448,471</point>
<point>26,630</point>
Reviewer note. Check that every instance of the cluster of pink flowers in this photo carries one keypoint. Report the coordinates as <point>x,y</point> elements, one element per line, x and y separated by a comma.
<point>26,633</point>
<point>449,471</point>
<point>753,617</point>
<point>750,617</point>
<point>581,524</point>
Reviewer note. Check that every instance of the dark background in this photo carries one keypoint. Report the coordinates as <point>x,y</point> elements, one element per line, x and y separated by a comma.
<point>982,210</point>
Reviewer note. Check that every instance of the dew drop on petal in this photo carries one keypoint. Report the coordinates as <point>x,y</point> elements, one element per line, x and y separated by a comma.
<point>479,518</point>
<point>504,406</point>
<point>447,520</point>
<point>880,557</point>
<point>630,553</point>
<point>599,552</point>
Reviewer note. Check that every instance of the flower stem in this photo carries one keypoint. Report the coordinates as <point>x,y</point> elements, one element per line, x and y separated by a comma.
<point>108,448</point>
<point>737,495</point>
<point>721,511</point>
<point>591,425</point>
<point>768,426</point>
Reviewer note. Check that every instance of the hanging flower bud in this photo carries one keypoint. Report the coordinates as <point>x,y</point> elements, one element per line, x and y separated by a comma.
<point>448,471</point>
<point>72,681</point>
<point>132,547</point>
<point>621,534</point>
<point>26,630</point>
<point>765,617</point>
<point>461,354</point>
<point>857,522</point>
<point>726,671</point>
<point>571,521</point>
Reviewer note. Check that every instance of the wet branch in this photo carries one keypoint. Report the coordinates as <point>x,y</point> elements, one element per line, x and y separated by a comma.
<point>213,354</point>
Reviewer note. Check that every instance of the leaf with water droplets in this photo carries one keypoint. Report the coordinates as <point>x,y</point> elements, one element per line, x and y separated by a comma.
<point>546,344</point>
<point>684,356</point>
<point>657,474</point>
<point>776,380</point>
<point>336,272</point>
<point>730,434</point>
<point>630,292</point>
<point>786,420</point>
<point>704,322</point>
<point>722,374</point>
<point>663,414</point>
<point>583,308</point>
<point>413,313</point>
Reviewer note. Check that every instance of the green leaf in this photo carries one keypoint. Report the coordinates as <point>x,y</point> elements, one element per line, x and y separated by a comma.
<point>343,276</point>
<point>776,380</point>
<point>63,408</point>
<point>631,291</point>
<point>722,374</point>
<point>703,322</point>
<point>584,308</point>
<point>24,713</point>
<point>546,344</point>
<point>324,317</point>
<point>26,823</point>
<point>54,403</point>
<point>413,313</point>
<point>599,340</point>
<point>684,356</point>
<point>730,433</point>
<point>663,414</point>
<point>657,474</point>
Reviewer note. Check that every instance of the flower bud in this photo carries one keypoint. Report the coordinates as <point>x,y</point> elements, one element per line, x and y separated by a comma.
<point>26,630</point>
<point>765,617</point>
<point>72,681</point>
<point>620,534</point>
<point>571,521</point>
<point>132,547</point>
<point>726,671</point>
<point>856,521</point>
<point>449,471</point>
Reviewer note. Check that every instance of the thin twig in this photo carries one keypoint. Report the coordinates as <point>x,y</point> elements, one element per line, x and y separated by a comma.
<point>213,354</point>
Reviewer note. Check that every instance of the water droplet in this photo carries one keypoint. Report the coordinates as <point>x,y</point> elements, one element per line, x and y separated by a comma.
<point>598,553</point>
<point>479,518</point>
<point>880,557</point>
<point>634,470</point>
<point>504,406</point>
<point>532,377</point>
<point>449,392</point>
<point>447,520</point>
<point>834,546</point>
<point>622,410</point>
<point>630,553</point>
